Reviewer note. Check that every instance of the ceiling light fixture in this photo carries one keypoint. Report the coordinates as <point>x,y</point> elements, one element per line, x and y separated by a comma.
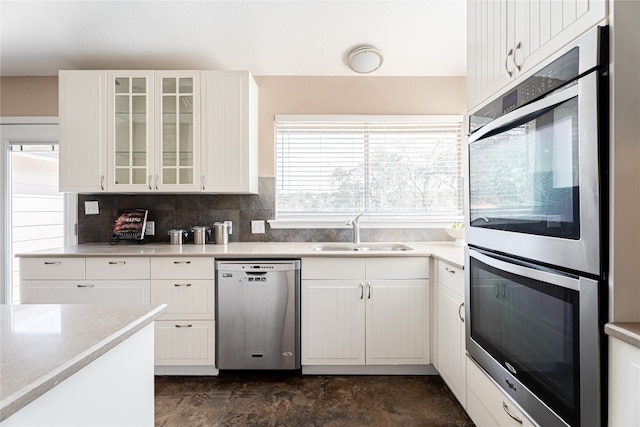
<point>365,59</point>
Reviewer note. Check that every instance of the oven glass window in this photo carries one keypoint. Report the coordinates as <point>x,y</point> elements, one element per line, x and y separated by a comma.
<point>531,328</point>
<point>525,178</point>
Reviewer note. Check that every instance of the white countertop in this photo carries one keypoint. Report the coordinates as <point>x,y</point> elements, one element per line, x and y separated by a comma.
<point>627,332</point>
<point>42,345</point>
<point>441,250</point>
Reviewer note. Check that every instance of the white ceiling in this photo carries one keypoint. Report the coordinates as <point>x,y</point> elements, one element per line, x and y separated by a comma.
<point>301,37</point>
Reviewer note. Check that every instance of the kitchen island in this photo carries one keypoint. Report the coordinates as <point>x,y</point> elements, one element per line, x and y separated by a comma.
<point>77,364</point>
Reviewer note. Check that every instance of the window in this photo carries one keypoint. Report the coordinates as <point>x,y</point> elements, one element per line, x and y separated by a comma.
<point>404,167</point>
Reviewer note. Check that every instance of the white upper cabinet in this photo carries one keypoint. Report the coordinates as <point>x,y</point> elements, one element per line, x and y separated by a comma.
<point>177,159</point>
<point>506,38</point>
<point>158,131</point>
<point>229,132</point>
<point>130,141</point>
<point>83,131</point>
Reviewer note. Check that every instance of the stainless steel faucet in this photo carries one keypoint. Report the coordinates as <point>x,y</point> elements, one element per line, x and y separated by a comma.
<point>355,222</point>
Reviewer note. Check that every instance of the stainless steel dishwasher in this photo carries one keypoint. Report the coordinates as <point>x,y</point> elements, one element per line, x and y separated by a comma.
<point>258,314</point>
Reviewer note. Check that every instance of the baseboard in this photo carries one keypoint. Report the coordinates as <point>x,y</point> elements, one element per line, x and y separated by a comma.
<point>185,370</point>
<point>370,370</point>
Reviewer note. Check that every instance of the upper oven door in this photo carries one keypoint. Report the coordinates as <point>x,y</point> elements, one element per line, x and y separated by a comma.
<point>533,180</point>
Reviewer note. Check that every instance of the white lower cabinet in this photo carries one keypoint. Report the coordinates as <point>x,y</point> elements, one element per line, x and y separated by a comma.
<point>624,383</point>
<point>84,292</point>
<point>365,311</point>
<point>185,335</point>
<point>487,405</point>
<point>451,354</point>
<point>188,342</point>
<point>71,280</point>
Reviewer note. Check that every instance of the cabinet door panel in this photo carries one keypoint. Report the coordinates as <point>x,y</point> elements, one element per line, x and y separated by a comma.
<point>451,342</point>
<point>396,268</point>
<point>189,342</point>
<point>52,268</point>
<point>83,130</point>
<point>182,268</point>
<point>117,268</point>
<point>397,319</point>
<point>333,268</point>
<point>185,299</point>
<point>130,139</point>
<point>84,292</point>
<point>230,132</point>
<point>177,131</point>
<point>332,324</point>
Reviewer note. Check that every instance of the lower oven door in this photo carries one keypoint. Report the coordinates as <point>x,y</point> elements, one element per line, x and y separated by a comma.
<point>536,332</point>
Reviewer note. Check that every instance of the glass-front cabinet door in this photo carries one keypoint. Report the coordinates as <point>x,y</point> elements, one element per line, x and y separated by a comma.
<point>177,159</point>
<point>130,131</point>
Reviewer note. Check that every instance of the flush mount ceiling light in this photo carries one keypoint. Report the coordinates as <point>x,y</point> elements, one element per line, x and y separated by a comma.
<point>365,59</point>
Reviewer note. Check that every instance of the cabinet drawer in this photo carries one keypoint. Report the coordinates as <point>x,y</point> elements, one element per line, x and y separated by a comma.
<point>333,268</point>
<point>496,403</point>
<point>185,299</point>
<point>452,277</point>
<point>52,268</point>
<point>395,268</point>
<point>184,342</point>
<point>84,292</point>
<point>182,268</point>
<point>117,268</point>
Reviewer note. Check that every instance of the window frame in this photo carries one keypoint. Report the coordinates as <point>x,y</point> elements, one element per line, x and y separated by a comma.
<point>329,220</point>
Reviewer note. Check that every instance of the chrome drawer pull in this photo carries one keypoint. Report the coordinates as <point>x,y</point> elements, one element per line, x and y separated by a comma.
<point>182,262</point>
<point>361,290</point>
<point>450,271</point>
<point>117,262</point>
<point>459,315</point>
<point>506,409</point>
<point>184,326</point>
<point>85,286</point>
<point>182,284</point>
<point>52,262</point>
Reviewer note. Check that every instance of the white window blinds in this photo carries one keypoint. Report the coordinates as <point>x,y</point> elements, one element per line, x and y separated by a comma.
<point>391,167</point>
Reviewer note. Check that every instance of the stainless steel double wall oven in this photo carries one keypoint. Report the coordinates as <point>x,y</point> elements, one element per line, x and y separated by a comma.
<point>536,264</point>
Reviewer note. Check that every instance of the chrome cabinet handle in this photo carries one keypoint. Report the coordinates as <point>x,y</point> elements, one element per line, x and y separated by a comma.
<point>368,290</point>
<point>182,262</point>
<point>506,63</point>
<point>459,315</point>
<point>86,286</point>
<point>156,182</point>
<point>52,262</point>
<point>449,270</point>
<point>102,182</point>
<point>518,47</point>
<point>202,181</point>
<point>361,290</point>
<point>184,326</point>
<point>150,178</point>
<point>506,409</point>
<point>117,262</point>
<point>182,284</point>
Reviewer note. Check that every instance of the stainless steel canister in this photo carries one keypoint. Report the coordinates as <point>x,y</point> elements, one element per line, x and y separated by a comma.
<point>175,236</point>
<point>221,233</point>
<point>200,234</point>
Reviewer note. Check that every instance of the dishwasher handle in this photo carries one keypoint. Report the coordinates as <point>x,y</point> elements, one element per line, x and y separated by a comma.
<point>256,273</point>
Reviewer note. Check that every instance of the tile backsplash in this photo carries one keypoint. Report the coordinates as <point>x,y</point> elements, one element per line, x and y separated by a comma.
<point>186,210</point>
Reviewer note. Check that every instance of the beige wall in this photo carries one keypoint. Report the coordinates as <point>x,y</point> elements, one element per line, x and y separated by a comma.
<point>28,96</point>
<point>351,95</point>
<point>38,96</point>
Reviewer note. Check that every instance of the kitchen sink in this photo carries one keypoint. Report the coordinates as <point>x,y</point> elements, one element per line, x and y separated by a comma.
<point>361,247</point>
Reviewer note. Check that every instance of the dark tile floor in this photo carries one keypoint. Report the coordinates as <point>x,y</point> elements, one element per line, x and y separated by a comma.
<point>277,399</point>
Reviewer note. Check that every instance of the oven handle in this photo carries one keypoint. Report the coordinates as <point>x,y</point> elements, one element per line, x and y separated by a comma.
<point>524,270</point>
<point>524,114</point>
